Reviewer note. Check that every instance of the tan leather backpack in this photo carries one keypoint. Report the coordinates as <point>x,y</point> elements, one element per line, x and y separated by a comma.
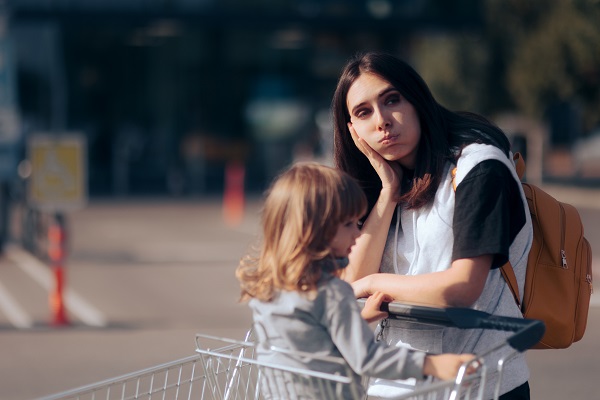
<point>558,281</point>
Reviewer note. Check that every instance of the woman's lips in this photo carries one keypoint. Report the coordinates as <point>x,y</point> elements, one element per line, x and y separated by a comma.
<point>388,139</point>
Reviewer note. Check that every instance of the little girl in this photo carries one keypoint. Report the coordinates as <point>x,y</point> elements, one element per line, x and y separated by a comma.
<point>309,225</point>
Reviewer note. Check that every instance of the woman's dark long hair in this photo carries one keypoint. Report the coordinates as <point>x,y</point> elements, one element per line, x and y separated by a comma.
<point>443,132</point>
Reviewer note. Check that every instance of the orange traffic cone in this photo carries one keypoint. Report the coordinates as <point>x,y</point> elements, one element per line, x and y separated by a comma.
<point>233,196</point>
<point>56,253</point>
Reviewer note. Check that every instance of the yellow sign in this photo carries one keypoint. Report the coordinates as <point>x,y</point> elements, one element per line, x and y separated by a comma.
<point>58,172</point>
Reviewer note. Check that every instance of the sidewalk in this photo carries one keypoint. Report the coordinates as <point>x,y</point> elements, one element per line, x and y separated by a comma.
<point>576,196</point>
<point>160,270</point>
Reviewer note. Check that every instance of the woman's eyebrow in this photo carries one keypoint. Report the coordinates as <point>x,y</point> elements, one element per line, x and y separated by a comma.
<point>357,107</point>
<point>386,91</point>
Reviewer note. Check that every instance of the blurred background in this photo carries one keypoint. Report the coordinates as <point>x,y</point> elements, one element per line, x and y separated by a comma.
<point>180,102</point>
<point>167,92</point>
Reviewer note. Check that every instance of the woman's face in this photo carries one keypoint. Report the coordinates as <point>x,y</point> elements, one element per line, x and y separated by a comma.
<point>383,118</point>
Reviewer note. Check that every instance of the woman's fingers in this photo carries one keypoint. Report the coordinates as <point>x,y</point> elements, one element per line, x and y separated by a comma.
<point>362,145</point>
<point>374,157</point>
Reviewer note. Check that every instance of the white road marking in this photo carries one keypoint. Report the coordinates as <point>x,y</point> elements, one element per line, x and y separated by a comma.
<point>14,313</point>
<point>595,300</point>
<point>40,273</point>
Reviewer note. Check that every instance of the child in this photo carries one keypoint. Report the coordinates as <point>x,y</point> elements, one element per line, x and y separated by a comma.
<point>310,222</point>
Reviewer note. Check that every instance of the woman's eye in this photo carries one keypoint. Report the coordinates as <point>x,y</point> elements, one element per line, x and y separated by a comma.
<point>361,113</point>
<point>393,99</point>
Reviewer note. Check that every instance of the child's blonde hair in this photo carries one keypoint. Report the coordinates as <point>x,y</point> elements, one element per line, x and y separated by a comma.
<point>301,214</point>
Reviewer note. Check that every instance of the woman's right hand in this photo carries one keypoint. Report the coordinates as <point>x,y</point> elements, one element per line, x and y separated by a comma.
<point>390,173</point>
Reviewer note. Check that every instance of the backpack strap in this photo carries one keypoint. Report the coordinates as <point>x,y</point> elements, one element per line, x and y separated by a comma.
<point>519,164</point>
<point>507,270</point>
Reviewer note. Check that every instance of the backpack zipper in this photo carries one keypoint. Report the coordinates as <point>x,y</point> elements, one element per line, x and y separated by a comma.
<point>588,275</point>
<point>563,255</point>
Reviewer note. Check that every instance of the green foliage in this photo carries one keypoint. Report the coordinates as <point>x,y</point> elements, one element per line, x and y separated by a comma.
<point>560,60</point>
<point>454,68</point>
<point>530,55</point>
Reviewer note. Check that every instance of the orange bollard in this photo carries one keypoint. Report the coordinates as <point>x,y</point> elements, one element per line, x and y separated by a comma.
<point>233,196</point>
<point>56,253</point>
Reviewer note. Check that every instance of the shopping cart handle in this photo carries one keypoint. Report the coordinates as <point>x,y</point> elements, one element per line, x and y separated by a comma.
<point>528,336</point>
<point>528,331</point>
<point>458,317</point>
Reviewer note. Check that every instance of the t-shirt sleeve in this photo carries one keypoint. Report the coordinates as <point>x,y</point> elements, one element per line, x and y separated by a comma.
<point>488,213</point>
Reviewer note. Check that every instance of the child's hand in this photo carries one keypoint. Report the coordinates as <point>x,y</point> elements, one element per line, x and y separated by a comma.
<point>446,366</point>
<point>371,311</point>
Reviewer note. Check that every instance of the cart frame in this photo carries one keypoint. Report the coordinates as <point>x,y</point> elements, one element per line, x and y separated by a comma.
<point>229,370</point>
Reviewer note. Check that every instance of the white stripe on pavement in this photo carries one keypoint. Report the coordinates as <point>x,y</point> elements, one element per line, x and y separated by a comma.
<point>14,313</point>
<point>40,273</point>
<point>595,300</point>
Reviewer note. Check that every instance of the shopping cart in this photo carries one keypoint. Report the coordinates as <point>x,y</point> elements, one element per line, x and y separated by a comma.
<point>227,369</point>
<point>526,333</point>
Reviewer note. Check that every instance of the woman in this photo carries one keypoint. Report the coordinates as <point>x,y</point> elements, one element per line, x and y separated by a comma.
<point>430,237</point>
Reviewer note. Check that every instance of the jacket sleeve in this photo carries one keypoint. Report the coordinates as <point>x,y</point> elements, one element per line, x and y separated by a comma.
<point>356,342</point>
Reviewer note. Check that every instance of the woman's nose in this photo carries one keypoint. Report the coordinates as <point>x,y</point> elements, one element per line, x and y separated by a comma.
<point>381,119</point>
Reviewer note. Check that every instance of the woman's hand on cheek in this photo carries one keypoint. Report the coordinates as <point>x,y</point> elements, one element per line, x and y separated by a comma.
<point>390,173</point>
<point>361,144</point>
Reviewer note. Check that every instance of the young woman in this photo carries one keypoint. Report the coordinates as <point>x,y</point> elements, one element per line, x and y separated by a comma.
<point>425,240</point>
<point>310,223</point>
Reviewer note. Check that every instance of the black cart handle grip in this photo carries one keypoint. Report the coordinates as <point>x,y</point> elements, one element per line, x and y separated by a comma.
<point>529,331</point>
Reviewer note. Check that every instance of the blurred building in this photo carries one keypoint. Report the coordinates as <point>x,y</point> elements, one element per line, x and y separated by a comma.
<point>168,92</point>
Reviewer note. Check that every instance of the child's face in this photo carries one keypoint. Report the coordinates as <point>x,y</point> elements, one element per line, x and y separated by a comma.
<point>344,238</point>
